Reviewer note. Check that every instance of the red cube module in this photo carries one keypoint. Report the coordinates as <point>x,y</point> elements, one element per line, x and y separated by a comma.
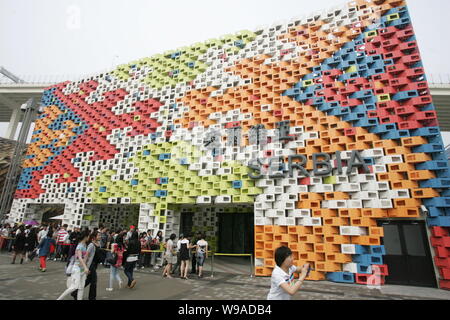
<point>442,252</point>
<point>442,262</point>
<point>445,273</point>
<point>383,269</point>
<point>362,278</point>
<point>439,232</point>
<point>444,284</point>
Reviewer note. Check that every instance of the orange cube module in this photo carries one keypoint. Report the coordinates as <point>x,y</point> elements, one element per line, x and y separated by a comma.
<point>342,221</point>
<point>330,230</point>
<point>366,240</point>
<point>338,239</point>
<point>413,141</point>
<point>418,158</point>
<point>325,213</point>
<point>425,193</point>
<point>410,203</point>
<point>280,230</point>
<point>337,196</point>
<point>375,213</point>
<point>339,257</point>
<point>376,231</point>
<point>307,204</point>
<point>385,144</point>
<point>328,266</point>
<point>404,184</point>
<point>351,213</point>
<point>421,175</point>
<point>404,213</point>
<point>363,222</point>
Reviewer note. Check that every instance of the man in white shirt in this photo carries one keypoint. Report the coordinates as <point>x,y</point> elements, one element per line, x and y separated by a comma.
<point>282,280</point>
<point>129,233</point>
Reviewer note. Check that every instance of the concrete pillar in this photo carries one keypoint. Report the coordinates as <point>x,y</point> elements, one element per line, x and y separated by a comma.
<point>13,122</point>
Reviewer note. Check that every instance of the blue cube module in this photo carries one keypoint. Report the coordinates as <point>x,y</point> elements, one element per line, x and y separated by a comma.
<point>164,156</point>
<point>237,184</point>
<point>342,277</point>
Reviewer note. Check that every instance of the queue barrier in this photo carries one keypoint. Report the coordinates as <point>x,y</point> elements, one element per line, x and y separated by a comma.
<point>233,255</point>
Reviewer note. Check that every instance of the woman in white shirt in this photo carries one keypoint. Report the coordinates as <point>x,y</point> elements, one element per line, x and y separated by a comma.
<point>282,280</point>
<point>170,256</point>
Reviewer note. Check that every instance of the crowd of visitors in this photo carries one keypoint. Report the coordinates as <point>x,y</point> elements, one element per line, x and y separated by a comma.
<point>83,250</point>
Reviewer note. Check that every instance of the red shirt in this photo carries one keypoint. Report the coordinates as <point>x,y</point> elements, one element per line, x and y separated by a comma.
<point>119,253</point>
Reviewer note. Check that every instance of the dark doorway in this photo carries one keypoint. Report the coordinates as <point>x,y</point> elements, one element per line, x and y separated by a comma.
<point>50,213</point>
<point>236,233</point>
<point>187,222</point>
<point>408,254</point>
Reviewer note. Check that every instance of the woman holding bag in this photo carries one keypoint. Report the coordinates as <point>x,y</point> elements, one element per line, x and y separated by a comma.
<point>117,250</point>
<point>44,250</point>
<point>79,269</point>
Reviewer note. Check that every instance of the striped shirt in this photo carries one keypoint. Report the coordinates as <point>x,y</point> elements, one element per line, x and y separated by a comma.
<point>61,236</point>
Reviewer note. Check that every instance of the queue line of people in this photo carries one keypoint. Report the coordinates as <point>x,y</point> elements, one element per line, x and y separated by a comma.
<point>84,250</point>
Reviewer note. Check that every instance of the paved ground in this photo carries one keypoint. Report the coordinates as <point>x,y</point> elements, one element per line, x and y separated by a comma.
<point>25,282</point>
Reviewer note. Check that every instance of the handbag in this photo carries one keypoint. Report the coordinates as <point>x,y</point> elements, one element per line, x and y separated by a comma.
<point>132,258</point>
<point>52,248</point>
<point>111,258</point>
<point>69,266</point>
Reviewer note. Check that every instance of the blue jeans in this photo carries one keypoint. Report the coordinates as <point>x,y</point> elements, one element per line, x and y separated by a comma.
<point>114,275</point>
<point>129,268</point>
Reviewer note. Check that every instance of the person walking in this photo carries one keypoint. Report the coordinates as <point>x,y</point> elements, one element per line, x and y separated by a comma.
<point>194,252</point>
<point>183,246</point>
<point>79,270</point>
<point>133,249</point>
<point>42,233</point>
<point>19,244</point>
<point>154,246</point>
<point>117,248</point>
<point>61,237</point>
<point>170,256</point>
<point>104,238</point>
<point>95,255</point>
<point>5,233</point>
<point>44,250</point>
<point>201,254</point>
<point>142,255</point>
<point>176,267</point>
<point>147,256</point>
<point>30,244</point>
<point>73,239</point>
